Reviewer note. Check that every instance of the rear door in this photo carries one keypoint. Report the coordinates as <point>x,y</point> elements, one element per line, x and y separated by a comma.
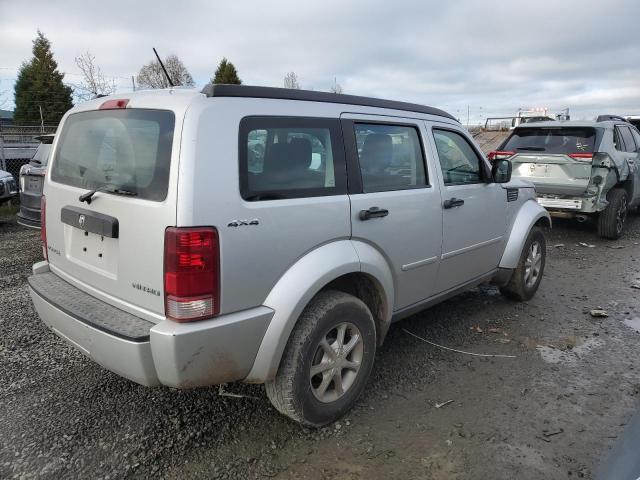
<point>628,151</point>
<point>395,205</point>
<point>113,245</point>
<point>473,209</point>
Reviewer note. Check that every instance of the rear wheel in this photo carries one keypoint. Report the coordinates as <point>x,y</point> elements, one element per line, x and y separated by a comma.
<point>527,276</point>
<point>612,219</point>
<point>327,360</point>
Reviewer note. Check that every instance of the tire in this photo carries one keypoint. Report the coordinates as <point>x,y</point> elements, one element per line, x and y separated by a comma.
<point>612,219</point>
<point>297,394</point>
<point>522,285</point>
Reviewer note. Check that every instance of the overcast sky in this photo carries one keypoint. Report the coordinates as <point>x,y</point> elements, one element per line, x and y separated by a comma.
<point>493,56</point>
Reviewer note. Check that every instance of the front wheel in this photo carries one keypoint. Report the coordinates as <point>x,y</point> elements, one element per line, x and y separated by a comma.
<point>527,276</point>
<point>327,360</point>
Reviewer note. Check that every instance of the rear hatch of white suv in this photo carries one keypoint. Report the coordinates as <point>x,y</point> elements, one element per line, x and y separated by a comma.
<point>111,194</point>
<point>556,159</point>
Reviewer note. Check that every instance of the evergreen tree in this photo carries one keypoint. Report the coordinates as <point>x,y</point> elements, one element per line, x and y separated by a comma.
<point>39,85</point>
<point>226,73</point>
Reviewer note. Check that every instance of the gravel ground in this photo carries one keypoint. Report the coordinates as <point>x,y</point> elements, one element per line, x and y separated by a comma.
<point>551,412</point>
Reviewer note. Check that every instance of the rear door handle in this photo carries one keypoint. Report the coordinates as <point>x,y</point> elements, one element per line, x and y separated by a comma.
<point>373,212</point>
<point>453,202</point>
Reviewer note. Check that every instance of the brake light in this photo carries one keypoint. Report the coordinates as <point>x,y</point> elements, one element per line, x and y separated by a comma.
<point>500,154</point>
<point>113,104</point>
<point>43,226</point>
<point>191,273</point>
<point>581,156</point>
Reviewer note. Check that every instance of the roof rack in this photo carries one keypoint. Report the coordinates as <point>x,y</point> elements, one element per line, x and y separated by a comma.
<point>222,90</point>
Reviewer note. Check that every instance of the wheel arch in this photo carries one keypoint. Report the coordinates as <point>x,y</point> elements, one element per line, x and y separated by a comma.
<point>529,215</point>
<point>349,266</point>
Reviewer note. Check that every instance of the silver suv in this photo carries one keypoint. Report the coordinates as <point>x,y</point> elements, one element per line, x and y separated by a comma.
<point>269,235</point>
<point>580,169</point>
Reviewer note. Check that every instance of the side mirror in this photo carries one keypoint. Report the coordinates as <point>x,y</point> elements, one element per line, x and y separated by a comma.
<point>501,171</point>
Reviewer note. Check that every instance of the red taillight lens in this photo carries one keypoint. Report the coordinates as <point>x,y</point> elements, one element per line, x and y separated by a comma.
<point>499,155</point>
<point>43,226</point>
<point>113,104</point>
<point>191,273</point>
<point>582,156</point>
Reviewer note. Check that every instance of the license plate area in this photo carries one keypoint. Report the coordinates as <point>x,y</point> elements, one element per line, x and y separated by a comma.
<point>565,203</point>
<point>34,184</point>
<point>92,251</point>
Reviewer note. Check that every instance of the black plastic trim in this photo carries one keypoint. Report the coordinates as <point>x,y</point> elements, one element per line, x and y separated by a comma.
<point>247,91</point>
<point>94,222</point>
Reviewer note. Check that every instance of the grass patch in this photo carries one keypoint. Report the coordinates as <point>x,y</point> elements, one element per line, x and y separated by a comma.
<point>9,209</point>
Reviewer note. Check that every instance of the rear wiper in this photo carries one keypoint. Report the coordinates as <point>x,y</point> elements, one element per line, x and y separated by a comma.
<point>532,149</point>
<point>86,197</point>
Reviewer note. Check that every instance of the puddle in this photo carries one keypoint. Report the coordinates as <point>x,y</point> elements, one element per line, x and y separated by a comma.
<point>556,355</point>
<point>633,323</point>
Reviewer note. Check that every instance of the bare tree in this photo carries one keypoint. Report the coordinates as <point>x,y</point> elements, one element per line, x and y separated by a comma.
<point>291,81</point>
<point>336,87</point>
<point>152,76</point>
<point>93,81</point>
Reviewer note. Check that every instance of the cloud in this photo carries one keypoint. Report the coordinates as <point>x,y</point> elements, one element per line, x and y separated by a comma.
<point>491,56</point>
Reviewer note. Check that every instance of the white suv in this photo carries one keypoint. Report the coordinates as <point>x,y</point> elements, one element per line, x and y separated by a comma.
<point>268,235</point>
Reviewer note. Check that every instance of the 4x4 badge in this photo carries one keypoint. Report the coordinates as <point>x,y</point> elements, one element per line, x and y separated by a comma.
<point>242,223</point>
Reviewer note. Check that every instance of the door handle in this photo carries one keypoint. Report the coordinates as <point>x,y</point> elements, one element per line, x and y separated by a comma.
<point>373,212</point>
<point>453,202</point>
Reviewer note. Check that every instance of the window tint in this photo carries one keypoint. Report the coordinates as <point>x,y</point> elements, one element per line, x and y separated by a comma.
<point>630,145</point>
<point>290,157</point>
<point>617,140</point>
<point>128,149</point>
<point>390,157</point>
<point>554,140</point>
<point>459,161</point>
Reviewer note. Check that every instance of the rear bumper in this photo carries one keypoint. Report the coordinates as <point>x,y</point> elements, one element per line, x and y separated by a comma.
<point>180,355</point>
<point>29,217</point>
<point>567,206</point>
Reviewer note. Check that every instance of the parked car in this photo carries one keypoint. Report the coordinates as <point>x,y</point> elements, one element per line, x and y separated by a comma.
<point>31,180</point>
<point>634,120</point>
<point>180,253</point>
<point>8,187</point>
<point>580,169</point>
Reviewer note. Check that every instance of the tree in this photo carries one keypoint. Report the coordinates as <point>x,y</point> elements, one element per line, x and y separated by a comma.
<point>39,87</point>
<point>336,87</point>
<point>291,81</point>
<point>93,81</point>
<point>151,75</point>
<point>226,73</point>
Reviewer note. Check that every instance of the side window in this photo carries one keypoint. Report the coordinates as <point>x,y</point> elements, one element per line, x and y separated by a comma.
<point>628,139</point>
<point>617,140</point>
<point>287,157</point>
<point>390,157</point>
<point>459,161</point>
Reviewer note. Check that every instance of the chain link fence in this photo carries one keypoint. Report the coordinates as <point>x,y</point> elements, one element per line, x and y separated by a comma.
<point>18,143</point>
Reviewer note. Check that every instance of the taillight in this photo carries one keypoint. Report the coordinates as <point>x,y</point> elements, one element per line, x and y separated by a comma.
<point>499,155</point>
<point>114,104</point>
<point>191,273</point>
<point>582,156</point>
<point>43,226</point>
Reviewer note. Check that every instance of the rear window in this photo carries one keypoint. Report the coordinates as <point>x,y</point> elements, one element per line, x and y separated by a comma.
<point>127,149</point>
<point>290,157</point>
<point>564,140</point>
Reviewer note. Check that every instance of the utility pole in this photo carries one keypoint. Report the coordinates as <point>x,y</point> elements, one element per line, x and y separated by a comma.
<point>133,83</point>
<point>41,120</point>
<point>468,110</point>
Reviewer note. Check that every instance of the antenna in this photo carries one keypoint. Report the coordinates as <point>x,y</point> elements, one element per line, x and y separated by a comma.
<point>163,69</point>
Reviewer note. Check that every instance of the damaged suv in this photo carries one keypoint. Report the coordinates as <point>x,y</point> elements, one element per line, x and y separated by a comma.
<point>580,169</point>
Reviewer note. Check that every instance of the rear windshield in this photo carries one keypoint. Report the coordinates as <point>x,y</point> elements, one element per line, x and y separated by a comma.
<point>552,140</point>
<point>42,154</point>
<point>127,149</point>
